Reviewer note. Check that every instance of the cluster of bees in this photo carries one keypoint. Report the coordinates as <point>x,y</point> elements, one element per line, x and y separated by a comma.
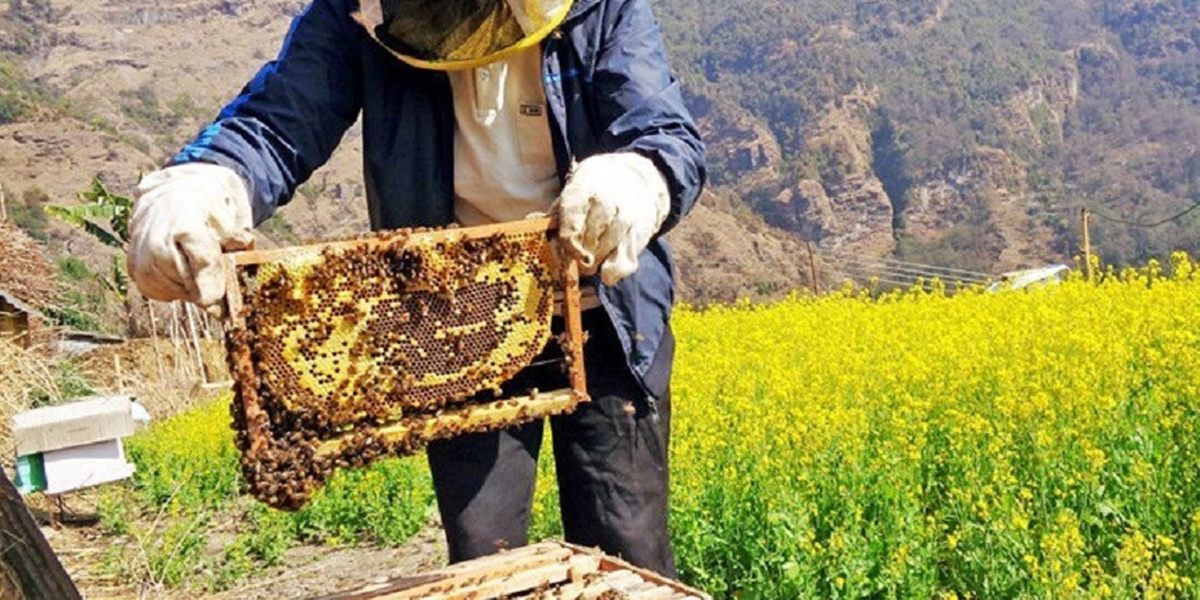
<point>380,336</point>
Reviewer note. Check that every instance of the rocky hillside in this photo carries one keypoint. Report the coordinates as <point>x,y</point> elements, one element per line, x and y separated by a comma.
<point>953,132</point>
<point>962,133</point>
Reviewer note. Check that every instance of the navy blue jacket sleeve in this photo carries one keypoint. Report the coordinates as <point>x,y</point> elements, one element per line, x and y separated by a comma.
<point>287,121</point>
<point>640,101</point>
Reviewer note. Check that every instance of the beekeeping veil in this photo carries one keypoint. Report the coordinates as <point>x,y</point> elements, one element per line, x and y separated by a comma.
<point>450,35</point>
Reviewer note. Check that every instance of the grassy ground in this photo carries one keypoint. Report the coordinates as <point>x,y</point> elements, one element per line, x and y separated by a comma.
<point>186,496</point>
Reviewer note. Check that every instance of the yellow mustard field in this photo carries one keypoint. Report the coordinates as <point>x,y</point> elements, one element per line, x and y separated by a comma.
<point>1037,444</point>
<point>1020,444</point>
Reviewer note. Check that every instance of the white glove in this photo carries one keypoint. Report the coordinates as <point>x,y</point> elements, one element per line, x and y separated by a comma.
<point>184,217</point>
<point>609,209</point>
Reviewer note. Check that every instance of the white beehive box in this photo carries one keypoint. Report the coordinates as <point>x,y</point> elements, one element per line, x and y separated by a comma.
<point>76,445</point>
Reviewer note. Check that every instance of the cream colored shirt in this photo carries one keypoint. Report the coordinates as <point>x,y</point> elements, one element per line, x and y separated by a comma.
<point>504,166</point>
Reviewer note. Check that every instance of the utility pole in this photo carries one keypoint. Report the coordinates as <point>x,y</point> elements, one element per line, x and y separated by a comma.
<point>3,206</point>
<point>1084,214</point>
<point>812,269</point>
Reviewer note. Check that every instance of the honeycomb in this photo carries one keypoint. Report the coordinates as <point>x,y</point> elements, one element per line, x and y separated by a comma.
<point>343,353</point>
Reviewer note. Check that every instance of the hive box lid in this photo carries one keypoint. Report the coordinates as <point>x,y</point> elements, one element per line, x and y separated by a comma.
<point>75,424</point>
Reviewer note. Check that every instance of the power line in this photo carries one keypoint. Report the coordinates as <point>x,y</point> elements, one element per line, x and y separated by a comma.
<point>873,273</point>
<point>1049,211</point>
<point>861,273</point>
<point>856,267</point>
<point>873,265</point>
<point>903,274</point>
<point>900,263</point>
<point>887,280</point>
<point>898,280</point>
<point>859,269</point>
<point>1152,225</point>
<point>903,282</point>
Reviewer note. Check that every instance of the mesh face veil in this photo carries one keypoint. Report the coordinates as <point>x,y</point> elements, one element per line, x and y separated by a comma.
<point>450,35</point>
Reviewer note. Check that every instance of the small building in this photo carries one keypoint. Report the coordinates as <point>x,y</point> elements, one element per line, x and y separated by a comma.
<point>18,320</point>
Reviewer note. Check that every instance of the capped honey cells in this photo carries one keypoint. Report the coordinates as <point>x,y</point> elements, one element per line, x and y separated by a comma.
<point>346,352</point>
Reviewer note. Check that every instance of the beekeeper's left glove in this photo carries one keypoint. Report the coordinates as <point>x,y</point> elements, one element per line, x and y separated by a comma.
<point>183,218</point>
<point>609,209</point>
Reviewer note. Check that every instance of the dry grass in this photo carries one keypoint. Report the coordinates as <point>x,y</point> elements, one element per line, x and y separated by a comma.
<point>163,376</point>
<point>26,376</point>
<point>26,274</point>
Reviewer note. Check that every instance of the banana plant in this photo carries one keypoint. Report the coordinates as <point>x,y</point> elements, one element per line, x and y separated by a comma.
<point>105,216</point>
<point>99,205</point>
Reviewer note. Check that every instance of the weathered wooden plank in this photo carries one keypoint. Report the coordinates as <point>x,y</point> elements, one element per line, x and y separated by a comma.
<point>574,325</point>
<point>469,418</point>
<point>258,257</point>
<point>443,582</point>
<point>583,565</point>
<point>638,589</point>
<point>583,572</point>
<point>523,581</point>
<point>566,591</point>
<point>612,565</point>
<point>27,563</point>
<point>653,592</point>
<point>233,294</point>
<point>615,581</point>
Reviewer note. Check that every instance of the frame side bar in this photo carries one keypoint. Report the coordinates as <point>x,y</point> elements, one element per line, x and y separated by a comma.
<point>573,318</point>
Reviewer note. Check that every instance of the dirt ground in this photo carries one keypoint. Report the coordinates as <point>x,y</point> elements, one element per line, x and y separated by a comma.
<point>313,571</point>
<point>306,572</point>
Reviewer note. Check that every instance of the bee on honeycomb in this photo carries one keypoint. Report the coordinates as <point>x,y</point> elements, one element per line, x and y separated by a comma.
<point>359,350</point>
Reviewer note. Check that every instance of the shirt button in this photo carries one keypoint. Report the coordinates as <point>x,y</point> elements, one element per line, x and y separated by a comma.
<point>485,74</point>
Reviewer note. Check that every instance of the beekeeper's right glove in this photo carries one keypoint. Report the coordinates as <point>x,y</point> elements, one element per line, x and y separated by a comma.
<point>609,209</point>
<point>183,218</point>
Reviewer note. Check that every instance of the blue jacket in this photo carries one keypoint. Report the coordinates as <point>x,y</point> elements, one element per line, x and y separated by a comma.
<point>607,84</point>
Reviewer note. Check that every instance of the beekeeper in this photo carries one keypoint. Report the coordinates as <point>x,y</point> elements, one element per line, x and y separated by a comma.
<point>478,111</point>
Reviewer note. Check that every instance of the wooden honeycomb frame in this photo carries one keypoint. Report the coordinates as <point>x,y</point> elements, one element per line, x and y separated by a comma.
<point>283,467</point>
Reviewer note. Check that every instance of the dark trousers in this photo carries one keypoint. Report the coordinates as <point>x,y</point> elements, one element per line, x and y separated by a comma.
<point>610,457</point>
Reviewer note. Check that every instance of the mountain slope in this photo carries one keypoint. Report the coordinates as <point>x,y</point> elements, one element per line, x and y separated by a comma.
<point>987,125</point>
<point>961,133</point>
<point>135,79</point>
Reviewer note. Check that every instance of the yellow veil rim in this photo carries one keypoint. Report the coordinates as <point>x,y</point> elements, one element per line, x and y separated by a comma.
<point>529,41</point>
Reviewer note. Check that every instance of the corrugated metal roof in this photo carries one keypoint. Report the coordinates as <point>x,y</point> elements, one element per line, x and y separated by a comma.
<point>21,306</point>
